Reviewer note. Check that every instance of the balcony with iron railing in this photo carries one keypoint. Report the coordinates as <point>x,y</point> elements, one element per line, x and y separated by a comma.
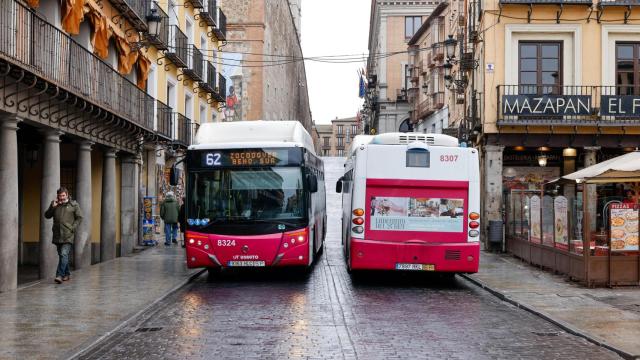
<point>208,12</point>
<point>548,2</point>
<point>604,3</point>
<point>221,90</point>
<point>31,43</point>
<point>197,4</point>
<point>135,11</point>
<point>161,41</point>
<point>195,64</point>
<point>177,52</point>
<point>220,30</point>
<point>401,95</point>
<point>571,105</point>
<point>209,84</point>
<point>164,117</point>
<point>183,128</point>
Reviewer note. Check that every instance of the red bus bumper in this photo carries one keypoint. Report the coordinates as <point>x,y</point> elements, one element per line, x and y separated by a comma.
<point>445,257</point>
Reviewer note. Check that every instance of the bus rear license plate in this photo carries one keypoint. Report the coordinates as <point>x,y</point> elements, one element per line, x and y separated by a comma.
<point>245,263</point>
<point>416,267</point>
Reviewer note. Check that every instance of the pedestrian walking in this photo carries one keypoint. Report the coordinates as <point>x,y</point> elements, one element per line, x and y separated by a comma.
<point>66,216</point>
<point>183,222</point>
<point>169,210</point>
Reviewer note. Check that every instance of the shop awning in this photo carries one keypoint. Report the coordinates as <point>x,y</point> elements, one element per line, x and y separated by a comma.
<point>624,168</point>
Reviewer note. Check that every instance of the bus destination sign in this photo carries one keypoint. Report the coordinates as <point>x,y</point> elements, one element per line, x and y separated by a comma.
<point>245,157</point>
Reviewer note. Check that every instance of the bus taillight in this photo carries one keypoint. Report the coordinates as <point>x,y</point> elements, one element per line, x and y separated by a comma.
<point>358,212</point>
<point>474,224</point>
<point>358,221</point>
<point>474,216</point>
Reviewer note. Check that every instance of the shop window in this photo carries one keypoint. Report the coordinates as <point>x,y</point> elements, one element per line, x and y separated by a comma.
<point>628,68</point>
<point>540,67</point>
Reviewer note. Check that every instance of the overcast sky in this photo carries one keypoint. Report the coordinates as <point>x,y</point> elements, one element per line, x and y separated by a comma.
<point>334,27</point>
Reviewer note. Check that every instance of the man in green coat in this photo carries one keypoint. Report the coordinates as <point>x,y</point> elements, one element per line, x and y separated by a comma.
<point>66,216</point>
<point>169,210</point>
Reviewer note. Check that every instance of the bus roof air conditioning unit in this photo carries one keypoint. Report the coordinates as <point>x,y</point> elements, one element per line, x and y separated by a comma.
<point>407,138</point>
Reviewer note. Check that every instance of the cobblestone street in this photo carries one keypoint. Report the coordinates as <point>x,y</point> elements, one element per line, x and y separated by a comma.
<point>327,314</point>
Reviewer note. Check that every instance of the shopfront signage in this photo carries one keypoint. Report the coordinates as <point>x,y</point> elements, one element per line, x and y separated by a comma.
<point>620,105</point>
<point>570,105</point>
<point>561,223</point>
<point>546,105</point>
<point>624,227</point>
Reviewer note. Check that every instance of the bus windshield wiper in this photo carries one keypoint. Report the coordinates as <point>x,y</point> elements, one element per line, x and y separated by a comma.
<point>271,221</point>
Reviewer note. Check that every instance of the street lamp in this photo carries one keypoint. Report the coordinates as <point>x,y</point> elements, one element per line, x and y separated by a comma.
<point>447,70</point>
<point>153,30</point>
<point>450,47</point>
<point>153,22</point>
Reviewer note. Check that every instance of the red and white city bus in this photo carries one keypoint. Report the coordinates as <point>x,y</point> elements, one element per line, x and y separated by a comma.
<point>411,202</point>
<point>255,196</point>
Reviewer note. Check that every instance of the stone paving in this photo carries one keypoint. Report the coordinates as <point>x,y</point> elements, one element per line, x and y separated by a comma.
<point>48,321</point>
<point>328,314</point>
<point>607,316</point>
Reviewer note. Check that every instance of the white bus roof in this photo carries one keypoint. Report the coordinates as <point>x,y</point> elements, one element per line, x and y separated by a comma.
<point>252,133</point>
<point>358,141</point>
<point>399,138</point>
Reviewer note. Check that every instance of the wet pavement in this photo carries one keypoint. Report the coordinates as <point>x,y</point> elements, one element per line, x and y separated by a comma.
<point>607,316</point>
<point>328,314</point>
<point>44,320</point>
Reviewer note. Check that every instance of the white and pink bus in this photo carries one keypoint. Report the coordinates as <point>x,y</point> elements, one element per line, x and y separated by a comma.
<point>255,196</point>
<point>411,202</point>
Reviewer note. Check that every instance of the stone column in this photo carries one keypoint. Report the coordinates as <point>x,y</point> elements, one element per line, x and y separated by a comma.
<point>590,158</point>
<point>108,207</point>
<point>492,188</point>
<point>50,184</point>
<point>82,245</point>
<point>129,208</point>
<point>9,200</point>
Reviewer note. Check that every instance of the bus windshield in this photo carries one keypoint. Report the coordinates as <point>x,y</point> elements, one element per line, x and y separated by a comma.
<point>246,194</point>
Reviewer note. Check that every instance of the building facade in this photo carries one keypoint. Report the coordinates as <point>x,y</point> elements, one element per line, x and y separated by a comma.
<point>335,139</point>
<point>94,101</point>
<point>392,25</point>
<point>556,94</point>
<point>262,36</point>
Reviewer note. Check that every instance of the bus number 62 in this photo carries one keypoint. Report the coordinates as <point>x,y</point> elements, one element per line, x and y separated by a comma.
<point>448,158</point>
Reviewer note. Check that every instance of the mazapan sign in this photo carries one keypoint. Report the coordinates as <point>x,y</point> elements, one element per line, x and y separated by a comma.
<point>570,105</point>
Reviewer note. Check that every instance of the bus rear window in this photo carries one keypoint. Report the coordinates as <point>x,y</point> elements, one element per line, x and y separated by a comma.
<point>418,158</point>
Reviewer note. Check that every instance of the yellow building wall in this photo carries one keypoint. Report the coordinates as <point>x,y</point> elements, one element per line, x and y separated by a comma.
<point>590,57</point>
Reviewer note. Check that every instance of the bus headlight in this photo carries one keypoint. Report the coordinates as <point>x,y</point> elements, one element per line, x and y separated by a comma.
<point>474,233</point>
<point>191,241</point>
<point>199,242</point>
<point>357,229</point>
<point>206,247</point>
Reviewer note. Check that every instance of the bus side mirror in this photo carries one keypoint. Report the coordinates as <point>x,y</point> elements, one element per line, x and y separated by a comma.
<point>173,176</point>
<point>312,182</point>
<point>339,185</point>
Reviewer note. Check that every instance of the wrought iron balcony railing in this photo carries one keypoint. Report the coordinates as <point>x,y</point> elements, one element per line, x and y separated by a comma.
<point>428,106</point>
<point>548,2</point>
<point>208,13</point>
<point>164,117</point>
<point>177,51</point>
<point>572,105</point>
<point>221,26</point>
<point>135,11</point>
<point>183,129</point>
<point>209,85</point>
<point>603,3</point>
<point>221,93</point>
<point>30,42</point>
<point>161,41</point>
<point>197,4</point>
<point>195,63</point>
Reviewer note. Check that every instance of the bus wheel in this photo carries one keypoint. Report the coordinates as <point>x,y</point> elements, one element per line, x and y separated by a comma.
<point>320,251</point>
